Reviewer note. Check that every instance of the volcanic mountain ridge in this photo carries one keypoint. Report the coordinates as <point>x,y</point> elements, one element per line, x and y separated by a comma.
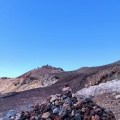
<point>50,80</point>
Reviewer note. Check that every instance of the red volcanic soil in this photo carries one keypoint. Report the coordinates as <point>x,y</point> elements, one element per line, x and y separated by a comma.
<point>77,80</point>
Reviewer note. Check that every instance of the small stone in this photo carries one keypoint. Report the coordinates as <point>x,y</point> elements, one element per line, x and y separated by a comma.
<point>53,98</point>
<point>11,113</point>
<point>117,96</point>
<point>73,95</point>
<point>45,115</point>
<point>57,111</point>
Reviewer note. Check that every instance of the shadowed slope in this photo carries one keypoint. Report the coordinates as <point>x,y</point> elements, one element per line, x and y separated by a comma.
<point>77,80</point>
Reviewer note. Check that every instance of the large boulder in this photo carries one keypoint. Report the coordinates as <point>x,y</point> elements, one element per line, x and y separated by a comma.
<point>108,87</point>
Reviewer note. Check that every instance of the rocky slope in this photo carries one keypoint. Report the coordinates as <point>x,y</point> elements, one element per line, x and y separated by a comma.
<point>65,106</point>
<point>48,75</point>
<point>109,101</point>
<point>106,95</point>
<point>40,77</point>
<point>34,88</point>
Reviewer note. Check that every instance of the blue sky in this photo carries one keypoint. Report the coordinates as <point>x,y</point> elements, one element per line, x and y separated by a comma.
<point>63,33</point>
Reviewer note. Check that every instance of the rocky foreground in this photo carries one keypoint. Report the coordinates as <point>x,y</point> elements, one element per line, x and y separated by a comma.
<point>65,106</point>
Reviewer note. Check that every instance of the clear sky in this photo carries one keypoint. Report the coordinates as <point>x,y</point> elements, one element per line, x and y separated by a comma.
<point>63,33</point>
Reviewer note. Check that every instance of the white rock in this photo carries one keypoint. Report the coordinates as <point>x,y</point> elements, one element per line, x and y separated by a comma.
<point>108,87</point>
<point>45,115</point>
<point>117,96</point>
<point>11,113</point>
<point>53,97</point>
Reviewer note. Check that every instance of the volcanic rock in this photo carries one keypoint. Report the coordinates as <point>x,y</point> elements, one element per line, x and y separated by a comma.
<point>30,88</point>
<point>108,87</point>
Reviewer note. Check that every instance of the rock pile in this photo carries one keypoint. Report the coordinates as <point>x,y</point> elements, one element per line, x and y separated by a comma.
<point>66,106</point>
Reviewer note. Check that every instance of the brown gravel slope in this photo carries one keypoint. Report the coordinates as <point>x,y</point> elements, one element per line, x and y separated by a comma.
<point>108,101</point>
<point>77,80</point>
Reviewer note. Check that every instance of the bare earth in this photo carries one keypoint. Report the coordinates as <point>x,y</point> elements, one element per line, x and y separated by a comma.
<point>48,80</point>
